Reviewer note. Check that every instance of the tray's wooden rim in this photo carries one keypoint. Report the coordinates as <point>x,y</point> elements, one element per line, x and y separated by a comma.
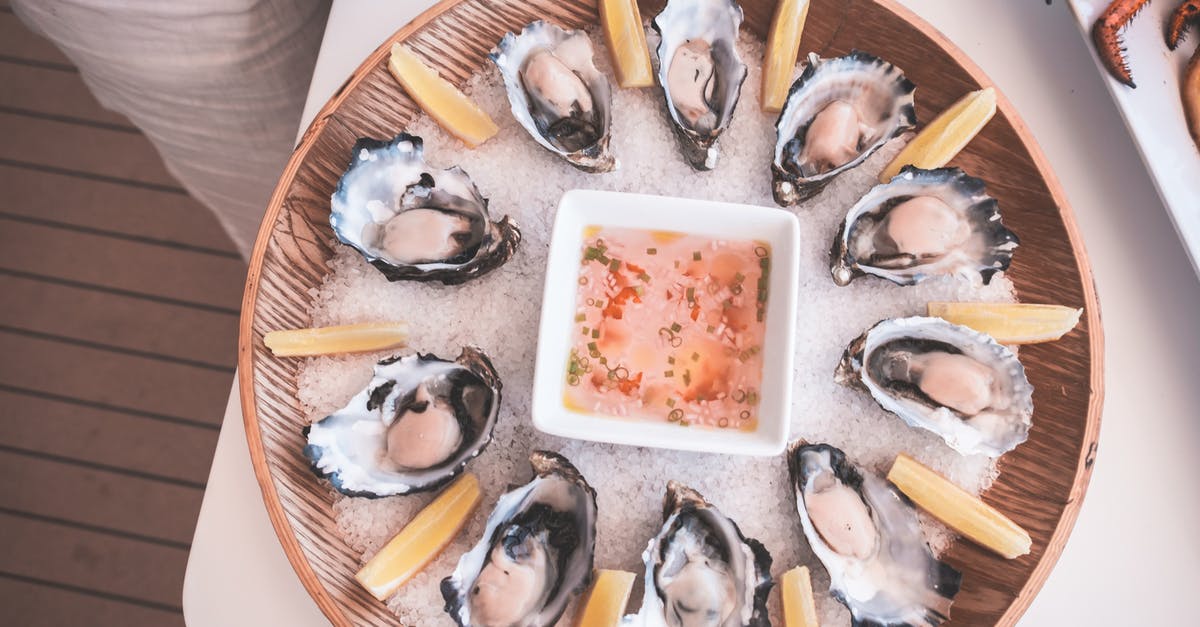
<point>286,534</point>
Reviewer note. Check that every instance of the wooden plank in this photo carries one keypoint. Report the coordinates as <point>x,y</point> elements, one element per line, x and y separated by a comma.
<point>124,321</point>
<point>112,438</point>
<point>52,92</point>
<point>105,152</point>
<point>36,605</point>
<point>114,379</point>
<point>19,42</point>
<point>141,507</point>
<point>125,265</point>
<point>135,211</point>
<point>92,560</point>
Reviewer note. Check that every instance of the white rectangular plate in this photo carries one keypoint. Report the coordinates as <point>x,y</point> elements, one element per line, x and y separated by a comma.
<point>582,208</point>
<point>1154,113</point>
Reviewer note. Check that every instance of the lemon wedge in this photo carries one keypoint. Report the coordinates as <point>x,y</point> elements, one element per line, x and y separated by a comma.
<point>626,38</point>
<point>1011,323</point>
<point>956,507</point>
<point>946,135</point>
<point>351,338</point>
<point>441,100</point>
<point>421,540</point>
<point>783,44</point>
<point>795,588</point>
<point>607,599</point>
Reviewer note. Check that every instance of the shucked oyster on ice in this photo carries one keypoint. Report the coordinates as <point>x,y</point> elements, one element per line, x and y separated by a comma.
<point>701,570</point>
<point>946,378</point>
<point>868,536</point>
<point>837,114</point>
<point>413,222</point>
<point>922,224</point>
<point>557,93</point>
<point>414,427</point>
<point>700,72</point>
<point>535,554</point>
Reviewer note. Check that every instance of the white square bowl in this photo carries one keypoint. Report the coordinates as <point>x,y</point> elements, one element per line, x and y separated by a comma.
<point>582,208</point>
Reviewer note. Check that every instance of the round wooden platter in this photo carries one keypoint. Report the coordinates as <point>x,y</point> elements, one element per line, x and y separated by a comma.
<point>1042,482</point>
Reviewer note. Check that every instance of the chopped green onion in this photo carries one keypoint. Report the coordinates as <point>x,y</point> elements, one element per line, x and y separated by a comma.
<point>739,277</point>
<point>592,346</point>
<point>585,330</point>
<point>670,360</point>
<point>691,294</point>
<point>595,334</point>
<point>696,256</point>
<point>651,251</point>
<point>670,402</point>
<point>580,317</point>
<point>711,329</point>
<point>614,265</point>
<point>687,377</point>
<point>695,356</point>
<point>645,278</point>
<point>675,327</point>
<point>668,374</point>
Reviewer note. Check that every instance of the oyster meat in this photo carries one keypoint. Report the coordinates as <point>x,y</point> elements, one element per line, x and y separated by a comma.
<point>557,93</point>
<point>946,378</point>
<point>838,113</point>
<point>922,224</point>
<point>413,222</point>
<point>700,72</point>
<point>868,536</point>
<point>701,570</point>
<point>414,427</point>
<point>535,554</point>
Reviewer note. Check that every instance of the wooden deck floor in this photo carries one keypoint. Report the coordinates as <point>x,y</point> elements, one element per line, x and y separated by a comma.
<point>118,327</point>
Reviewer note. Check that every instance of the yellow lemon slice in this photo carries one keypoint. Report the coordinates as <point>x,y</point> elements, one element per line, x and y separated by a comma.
<point>958,509</point>
<point>351,338</point>
<point>421,540</point>
<point>946,135</point>
<point>795,588</point>
<point>783,44</point>
<point>441,100</point>
<point>607,599</point>
<point>626,37</point>
<point>1011,323</point>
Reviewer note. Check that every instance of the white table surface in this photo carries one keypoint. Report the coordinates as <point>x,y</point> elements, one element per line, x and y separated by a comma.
<point>1134,557</point>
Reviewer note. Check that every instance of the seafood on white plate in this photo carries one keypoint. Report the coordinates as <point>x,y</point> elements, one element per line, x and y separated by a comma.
<point>920,225</point>
<point>414,222</point>
<point>838,113</point>
<point>416,426</point>
<point>949,379</point>
<point>557,94</point>
<point>535,554</point>
<point>700,73</point>
<point>868,537</point>
<point>701,570</point>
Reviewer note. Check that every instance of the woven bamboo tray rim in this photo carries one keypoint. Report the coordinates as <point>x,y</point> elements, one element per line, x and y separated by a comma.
<point>1042,483</point>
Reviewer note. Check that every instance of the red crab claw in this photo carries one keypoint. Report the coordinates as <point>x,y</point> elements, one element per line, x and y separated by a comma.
<point>1106,35</point>
<point>1185,15</point>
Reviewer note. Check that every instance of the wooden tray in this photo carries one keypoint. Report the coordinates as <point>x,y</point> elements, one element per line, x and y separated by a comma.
<point>1043,481</point>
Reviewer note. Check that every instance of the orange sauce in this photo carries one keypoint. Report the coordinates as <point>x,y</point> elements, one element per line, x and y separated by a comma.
<point>669,327</point>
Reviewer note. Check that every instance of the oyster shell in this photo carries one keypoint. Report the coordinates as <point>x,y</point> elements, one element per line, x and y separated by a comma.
<point>868,536</point>
<point>700,72</point>
<point>838,113</point>
<point>535,554</point>
<point>557,93</point>
<point>701,570</point>
<point>414,427</point>
<point>413,222</point>
<point>946,378</point>
<point>921,224</point>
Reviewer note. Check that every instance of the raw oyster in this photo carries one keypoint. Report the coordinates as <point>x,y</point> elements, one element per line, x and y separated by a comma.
<point>949,379</point>
<point>838,113</point>
<point>700,72</point>
<point>535,554</point>
<point>867,535</point>
<point>701,570</point>
<point>557,93</point>
<point>921,224</point>
<point>413,222</point>
<point>414,427</point>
